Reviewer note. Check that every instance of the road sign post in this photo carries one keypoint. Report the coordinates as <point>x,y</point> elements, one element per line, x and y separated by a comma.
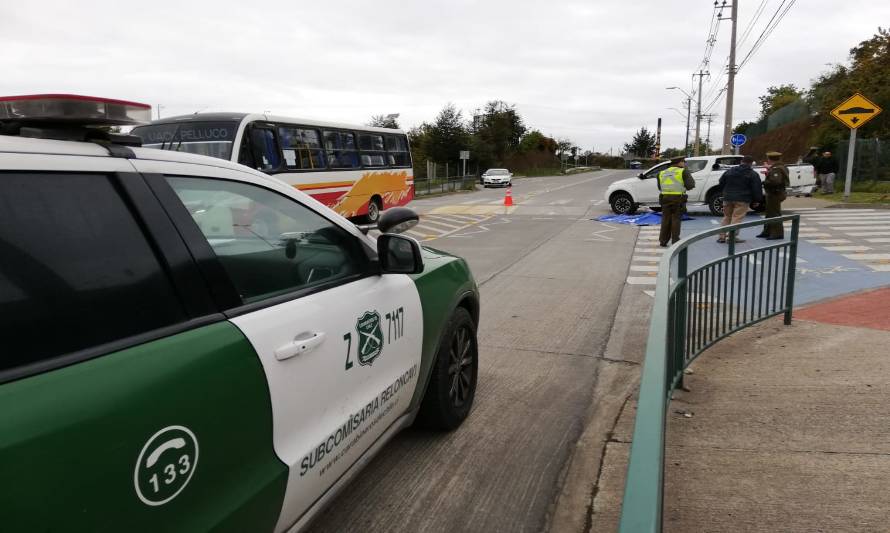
<point>464,155</point>
<point>853,113</point>
<point>737,140</point>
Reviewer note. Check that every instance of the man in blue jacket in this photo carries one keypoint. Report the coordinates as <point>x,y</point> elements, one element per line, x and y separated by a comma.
<point>742,190</point>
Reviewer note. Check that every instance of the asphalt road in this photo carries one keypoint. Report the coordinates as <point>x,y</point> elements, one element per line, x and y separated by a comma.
<point>551,280</point>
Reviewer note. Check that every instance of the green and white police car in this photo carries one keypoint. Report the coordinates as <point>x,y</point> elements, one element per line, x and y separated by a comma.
<point>191,345</point>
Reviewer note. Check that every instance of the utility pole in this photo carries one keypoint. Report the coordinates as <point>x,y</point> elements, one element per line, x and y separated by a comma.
<point>658,140</point>
<point>730,84</point>
<point>701,74</point>
<point>710,118</point>
<point>688,116</point>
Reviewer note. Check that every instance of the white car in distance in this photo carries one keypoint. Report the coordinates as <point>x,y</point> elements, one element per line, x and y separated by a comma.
<point>627,195</point>
<point>500,177</point>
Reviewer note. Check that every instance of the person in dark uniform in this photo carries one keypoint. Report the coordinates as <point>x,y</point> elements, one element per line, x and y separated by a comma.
<point>774,186</point>
<point>673,182</point>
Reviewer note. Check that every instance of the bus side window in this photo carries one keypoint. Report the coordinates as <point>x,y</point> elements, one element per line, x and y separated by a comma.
<point>265,149</point>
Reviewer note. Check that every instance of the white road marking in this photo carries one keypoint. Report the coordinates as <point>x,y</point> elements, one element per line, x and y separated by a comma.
<point>828,241</point>
<point>856,222</point>
<point>809,236</point>
<point>880,268</point>
<point>458,217</point>
<point>647,258</point>
<point>869,234</point>
<point>648,280</point>
<point>650,293</point>
<point>425,221</point>
<point>852,228</point>
<point>878,240</point>
<point>838,212</point>
<point>643,268</point>
<point>599,202</point>
<point>868,257</point>
<point>847,248</point>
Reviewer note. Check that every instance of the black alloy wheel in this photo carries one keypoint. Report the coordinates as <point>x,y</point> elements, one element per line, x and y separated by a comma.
<point>452,386</point>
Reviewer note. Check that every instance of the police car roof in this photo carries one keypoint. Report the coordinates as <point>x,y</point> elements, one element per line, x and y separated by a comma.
<point>29,145</point>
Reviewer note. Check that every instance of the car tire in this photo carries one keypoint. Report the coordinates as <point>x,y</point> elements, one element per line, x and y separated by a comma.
<point>622,204</point>
<point>374,208</point>
<point>452,387</point>
<point>715,203</point>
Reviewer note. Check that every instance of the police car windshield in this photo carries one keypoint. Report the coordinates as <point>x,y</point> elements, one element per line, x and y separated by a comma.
<point>204,138</point>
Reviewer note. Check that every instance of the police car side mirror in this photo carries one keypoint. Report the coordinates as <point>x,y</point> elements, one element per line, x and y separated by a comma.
<point>641,176</point>
<point>397,220</point>
<point>399,254</point>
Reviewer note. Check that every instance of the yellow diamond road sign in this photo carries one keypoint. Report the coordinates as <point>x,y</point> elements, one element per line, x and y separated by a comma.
<point>856,111</point>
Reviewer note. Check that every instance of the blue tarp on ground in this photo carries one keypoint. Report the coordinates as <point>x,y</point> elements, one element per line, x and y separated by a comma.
<point>645,219</point>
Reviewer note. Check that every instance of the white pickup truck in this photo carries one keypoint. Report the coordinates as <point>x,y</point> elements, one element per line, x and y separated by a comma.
<point>626,195</point>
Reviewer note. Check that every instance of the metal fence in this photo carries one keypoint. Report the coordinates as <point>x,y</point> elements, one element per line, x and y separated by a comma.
<point>424,186</point>
<point>871,161</point>
<point>692,311</point>
<point>784,115</point>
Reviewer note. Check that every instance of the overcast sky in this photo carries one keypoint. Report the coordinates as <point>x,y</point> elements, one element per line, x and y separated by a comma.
<point>592,71</point>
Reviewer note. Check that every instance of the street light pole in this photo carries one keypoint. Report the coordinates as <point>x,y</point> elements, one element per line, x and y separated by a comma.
<point>688,113</point>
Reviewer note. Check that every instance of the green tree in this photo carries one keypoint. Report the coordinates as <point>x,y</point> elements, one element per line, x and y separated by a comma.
<point>384,121</point>
<point>537,141</point>
<point>500,128</point>
<point>642,145</point>
<point>868,72</point>
<point>447,136</point>
<point>743,127</point>
<point>777,97</point>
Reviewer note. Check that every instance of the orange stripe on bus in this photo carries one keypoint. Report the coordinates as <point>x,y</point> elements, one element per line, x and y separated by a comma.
<point>330,185</point>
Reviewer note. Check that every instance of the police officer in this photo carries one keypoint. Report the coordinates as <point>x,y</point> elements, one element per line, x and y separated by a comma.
<point>774,186</point>
<point>673,182</point>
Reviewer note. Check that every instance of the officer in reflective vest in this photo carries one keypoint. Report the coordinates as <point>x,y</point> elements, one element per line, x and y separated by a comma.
<point>673,182</point>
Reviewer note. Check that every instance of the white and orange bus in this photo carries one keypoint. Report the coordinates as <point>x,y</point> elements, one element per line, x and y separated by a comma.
<point>356,170</point>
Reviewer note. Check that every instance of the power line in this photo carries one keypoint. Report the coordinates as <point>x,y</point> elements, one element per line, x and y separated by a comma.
<point>757,13</point>
<point>767,31</point>
<point>713,90</point>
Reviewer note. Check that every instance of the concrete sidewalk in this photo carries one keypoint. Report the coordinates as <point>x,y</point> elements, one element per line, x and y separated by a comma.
<point>787,428</point>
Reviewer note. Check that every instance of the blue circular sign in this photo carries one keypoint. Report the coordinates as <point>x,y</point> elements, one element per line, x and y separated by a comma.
<point>738,139</point>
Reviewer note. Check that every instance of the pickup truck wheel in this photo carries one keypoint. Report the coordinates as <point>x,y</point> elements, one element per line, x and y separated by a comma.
<point>715,203</point>
<point>622,204</point>
<point>452,387</point>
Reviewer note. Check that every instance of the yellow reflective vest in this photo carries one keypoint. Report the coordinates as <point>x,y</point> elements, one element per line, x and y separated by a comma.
<point>671,180</point>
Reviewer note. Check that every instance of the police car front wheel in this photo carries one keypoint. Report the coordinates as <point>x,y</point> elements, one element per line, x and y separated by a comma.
<point>452,386</point>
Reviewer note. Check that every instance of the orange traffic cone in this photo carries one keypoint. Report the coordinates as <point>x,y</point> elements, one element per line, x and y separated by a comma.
<point>508,196</point>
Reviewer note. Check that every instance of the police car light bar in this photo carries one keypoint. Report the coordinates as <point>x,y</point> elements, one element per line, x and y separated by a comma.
<point>72,109</point>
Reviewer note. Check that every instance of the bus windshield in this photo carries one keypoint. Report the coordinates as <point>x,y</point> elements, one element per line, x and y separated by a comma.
<point>204,138</point>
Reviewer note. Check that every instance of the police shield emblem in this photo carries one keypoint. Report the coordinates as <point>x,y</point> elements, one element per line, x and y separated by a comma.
<point>370,337</point>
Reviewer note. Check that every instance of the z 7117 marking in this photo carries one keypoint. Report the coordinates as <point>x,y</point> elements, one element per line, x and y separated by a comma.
<point>395,326</point>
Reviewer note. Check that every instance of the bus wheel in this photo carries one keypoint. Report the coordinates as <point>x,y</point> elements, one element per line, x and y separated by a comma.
<point>373,210</point>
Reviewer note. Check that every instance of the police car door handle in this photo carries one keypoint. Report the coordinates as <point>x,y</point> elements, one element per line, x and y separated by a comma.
<point>303,343</point>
